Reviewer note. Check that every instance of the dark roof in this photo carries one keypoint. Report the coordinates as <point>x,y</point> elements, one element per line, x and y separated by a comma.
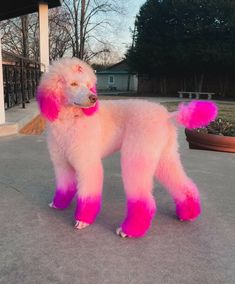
<point>111,72</point>
<point>120,66</point>
<point>14,8</point>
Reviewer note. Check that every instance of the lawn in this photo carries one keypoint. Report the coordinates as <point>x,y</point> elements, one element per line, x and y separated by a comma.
<point>226,110</point>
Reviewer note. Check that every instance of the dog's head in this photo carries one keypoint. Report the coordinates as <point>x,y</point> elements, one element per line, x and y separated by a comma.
<point>69,81</point>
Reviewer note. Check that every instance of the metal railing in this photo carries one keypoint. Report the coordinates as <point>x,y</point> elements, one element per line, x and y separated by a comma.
<point>20,79</point>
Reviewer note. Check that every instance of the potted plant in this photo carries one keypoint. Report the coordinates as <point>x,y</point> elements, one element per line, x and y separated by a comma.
<point>219,135</point>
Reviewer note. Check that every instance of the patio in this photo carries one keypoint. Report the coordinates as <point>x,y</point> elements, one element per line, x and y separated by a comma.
<point>39,244</point>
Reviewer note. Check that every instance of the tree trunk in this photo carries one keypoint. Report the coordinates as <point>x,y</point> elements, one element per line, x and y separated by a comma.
<point>163,88</point>
<point>82,41</point>
<point>224,83</point>
<point>25,37</point>
<point>183,84</point>
<point>198,82</point>
<point>76,49</point>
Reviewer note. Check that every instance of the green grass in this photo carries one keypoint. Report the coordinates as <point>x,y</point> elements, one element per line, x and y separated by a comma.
<point>226,110</point>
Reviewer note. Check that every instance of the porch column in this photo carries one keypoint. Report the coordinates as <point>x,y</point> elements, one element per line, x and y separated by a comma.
<point>2,105</point>
<point>43,35</point>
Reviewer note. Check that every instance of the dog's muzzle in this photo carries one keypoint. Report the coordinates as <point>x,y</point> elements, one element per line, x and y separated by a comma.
<point>91,102</point>
<point>93,99</point>
<point>83,98</point>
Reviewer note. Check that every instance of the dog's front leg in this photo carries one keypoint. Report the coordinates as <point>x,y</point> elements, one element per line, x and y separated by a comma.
<point>138,183</point>
<point>90,180</point>
<point>66,186</point>
<point>66,183</point>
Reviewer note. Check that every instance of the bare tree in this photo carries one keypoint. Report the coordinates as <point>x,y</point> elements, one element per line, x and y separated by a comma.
<point>59,35</point>
<point>25,37</point>
<point>88,19</point>
<point>12,36</point>
<point>109,55</point>
<point>20,35</point>
<point>78,28</point>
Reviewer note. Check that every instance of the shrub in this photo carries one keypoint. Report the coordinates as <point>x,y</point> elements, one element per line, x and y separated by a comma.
<point>219,127</point>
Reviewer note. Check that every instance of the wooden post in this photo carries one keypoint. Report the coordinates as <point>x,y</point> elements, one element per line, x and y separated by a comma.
<point>44,35</point>
<point>2,104</point>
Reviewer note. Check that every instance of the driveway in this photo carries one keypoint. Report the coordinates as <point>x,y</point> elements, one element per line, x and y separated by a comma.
<point>39,245</point>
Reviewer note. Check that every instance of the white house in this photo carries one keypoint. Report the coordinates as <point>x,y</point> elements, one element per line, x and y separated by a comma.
<point>117,78</point>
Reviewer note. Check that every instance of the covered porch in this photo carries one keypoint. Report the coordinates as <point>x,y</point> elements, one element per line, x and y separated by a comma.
<point>10,10</point>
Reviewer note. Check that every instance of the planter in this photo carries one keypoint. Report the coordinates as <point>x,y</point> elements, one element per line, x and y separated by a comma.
<point>213,142</point>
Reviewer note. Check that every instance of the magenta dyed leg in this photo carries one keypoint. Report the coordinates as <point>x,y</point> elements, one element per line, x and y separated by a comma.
<point>139,216</point>
<point>137,172</point>
<point>183,190</point>
<point>66,185</point>
<point>64,196</point>
<point>87,209</point>
<point>90,180</point>
<point>189,209</point>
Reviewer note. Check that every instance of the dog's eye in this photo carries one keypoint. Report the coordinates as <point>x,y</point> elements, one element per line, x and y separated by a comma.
<point>74,84</point>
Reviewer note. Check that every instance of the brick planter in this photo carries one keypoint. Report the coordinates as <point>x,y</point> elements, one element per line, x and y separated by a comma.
<point>213,142</point>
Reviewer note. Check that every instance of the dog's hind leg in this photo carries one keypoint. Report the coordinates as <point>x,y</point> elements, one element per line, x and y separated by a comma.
<point>138,172</point>
<point>90,181</point>
<point>66,186</point>
<point>184,192</point>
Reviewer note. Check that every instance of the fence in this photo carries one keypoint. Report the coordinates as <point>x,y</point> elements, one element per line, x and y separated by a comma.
<point>20,79</point>
<point>222,84</point>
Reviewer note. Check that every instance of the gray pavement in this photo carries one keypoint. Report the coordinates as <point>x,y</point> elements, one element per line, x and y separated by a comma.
<point>39,245</point>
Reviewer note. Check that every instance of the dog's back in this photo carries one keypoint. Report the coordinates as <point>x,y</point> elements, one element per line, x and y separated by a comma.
<point>133,121</point>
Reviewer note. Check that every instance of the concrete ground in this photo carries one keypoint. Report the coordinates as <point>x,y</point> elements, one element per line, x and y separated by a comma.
<point>17,118</point>
<point>39,245</point>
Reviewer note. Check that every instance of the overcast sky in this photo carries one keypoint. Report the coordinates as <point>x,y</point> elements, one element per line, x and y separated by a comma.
<point>133,9</point>
<point>123,36</point>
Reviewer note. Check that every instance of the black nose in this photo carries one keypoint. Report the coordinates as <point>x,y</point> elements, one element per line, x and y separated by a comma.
<point>93,98</point>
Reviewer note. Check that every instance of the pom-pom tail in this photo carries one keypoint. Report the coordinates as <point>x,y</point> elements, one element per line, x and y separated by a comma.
<point>196,114</point>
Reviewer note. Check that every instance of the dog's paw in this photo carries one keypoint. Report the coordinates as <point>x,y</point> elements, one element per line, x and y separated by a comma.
<point>189,209</point>
<point>120,233</point>
<point>51,205</point>
<point>80,225</point>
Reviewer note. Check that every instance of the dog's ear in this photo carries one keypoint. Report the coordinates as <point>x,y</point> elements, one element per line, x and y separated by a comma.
<point>50,97</point>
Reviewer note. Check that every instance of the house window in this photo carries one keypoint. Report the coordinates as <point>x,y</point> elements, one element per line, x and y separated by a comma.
<point>111,79</point>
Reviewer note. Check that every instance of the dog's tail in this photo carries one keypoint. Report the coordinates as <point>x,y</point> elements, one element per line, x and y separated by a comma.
<point>196,114</point>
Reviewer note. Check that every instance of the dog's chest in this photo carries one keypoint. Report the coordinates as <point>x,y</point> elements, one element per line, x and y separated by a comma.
<point>75,131</point>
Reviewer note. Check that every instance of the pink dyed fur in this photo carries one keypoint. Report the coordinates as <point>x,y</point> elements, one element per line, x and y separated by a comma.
<point>189,209</point>
<point>87,209</point>
<point>79,137</point>
<point>197,114</point>
<point>139,216</point>
<point>49,104</point>
<point>64,196</point>
<point>91,110</point>
<point>93,90</point>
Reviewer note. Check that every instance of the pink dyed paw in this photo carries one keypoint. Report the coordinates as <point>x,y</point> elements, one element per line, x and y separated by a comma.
<point>121,234</point>
<point>52,205</point>
<point>139,217</point>
<point>189,209</point>
<point>80,225</point>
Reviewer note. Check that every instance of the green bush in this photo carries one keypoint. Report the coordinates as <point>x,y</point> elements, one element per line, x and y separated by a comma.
<point>219,127</point>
